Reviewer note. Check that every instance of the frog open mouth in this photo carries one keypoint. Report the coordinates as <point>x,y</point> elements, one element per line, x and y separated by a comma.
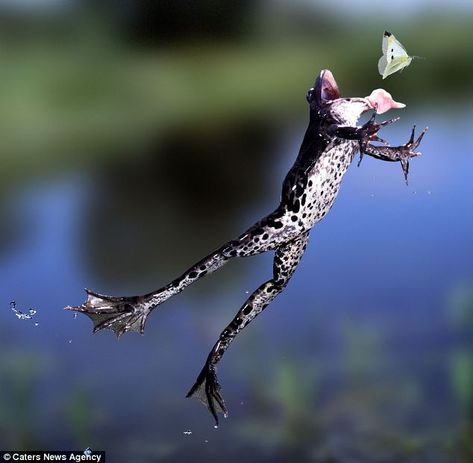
<point>326,89</point>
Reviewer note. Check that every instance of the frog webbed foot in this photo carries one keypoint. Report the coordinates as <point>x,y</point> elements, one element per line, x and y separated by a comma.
<point>120,314</point>
<point>408,150</point>
<point>207,390</point>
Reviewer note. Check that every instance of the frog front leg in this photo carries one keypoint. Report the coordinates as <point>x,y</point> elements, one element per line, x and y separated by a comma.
<point>286,259</point>
<point>368,133</point>
<point>365,134</point>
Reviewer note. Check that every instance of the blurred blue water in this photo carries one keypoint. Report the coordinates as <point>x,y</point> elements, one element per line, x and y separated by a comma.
<point>383,263</point>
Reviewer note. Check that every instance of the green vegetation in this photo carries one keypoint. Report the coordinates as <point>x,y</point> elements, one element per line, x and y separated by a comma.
<point>90,98</point>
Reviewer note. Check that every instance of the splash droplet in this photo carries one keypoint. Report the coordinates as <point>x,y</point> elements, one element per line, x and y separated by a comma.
<point>22,315</point>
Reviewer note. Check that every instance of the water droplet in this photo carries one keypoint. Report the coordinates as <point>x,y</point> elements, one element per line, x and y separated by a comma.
<point>429,192</point>
<point>216,426</point>
<point>247,292</point>
<point>187,433</point>
<point>70,341</point>
<point>22,315</point>
<point>206,441</point>
<point>88,451</point>
<point>225,415</point>
<point>242,403</point>
<point>36,324</point>
<point>75,315</point>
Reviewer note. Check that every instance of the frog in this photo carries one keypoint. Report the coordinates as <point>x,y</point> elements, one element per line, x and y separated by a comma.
<point>309,190</point>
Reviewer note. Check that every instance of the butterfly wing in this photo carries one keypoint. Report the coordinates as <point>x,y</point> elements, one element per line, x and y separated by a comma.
<point>394,57</point>
<point>395,49</point>
<point>396,64</point>
<point>384,60</point>
<point>386,37</point>
<point>382,64</point>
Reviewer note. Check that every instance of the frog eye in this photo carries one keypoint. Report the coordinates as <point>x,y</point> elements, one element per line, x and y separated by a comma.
<point>309,94</point>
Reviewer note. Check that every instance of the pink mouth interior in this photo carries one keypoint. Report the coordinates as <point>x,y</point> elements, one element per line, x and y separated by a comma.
<point>329,89</point>
<point>382,101</point>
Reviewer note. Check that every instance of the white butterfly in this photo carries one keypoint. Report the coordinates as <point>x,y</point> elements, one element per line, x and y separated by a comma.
<point>394,57</point>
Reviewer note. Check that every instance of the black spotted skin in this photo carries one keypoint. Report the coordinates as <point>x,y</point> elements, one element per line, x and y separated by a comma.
<point>309,190</point>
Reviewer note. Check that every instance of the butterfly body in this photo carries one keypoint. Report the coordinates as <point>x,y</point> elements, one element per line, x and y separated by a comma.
<point>395,57</point>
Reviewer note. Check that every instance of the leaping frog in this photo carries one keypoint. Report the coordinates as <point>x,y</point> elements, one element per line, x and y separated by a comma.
<point>309,190</point>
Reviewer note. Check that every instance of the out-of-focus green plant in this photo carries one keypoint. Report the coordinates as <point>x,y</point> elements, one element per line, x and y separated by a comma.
<point>78,411</point>
<point>294,429</point>
<point>461,309</point>
<point>461,364</point>
<point>295,388</point>
<point>364,353</point>
<point>462,377</point>
<point>461,317</point>
<point>19,373</point>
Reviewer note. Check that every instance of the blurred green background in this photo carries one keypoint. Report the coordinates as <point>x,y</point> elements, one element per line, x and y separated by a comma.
<point>137,136</point>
